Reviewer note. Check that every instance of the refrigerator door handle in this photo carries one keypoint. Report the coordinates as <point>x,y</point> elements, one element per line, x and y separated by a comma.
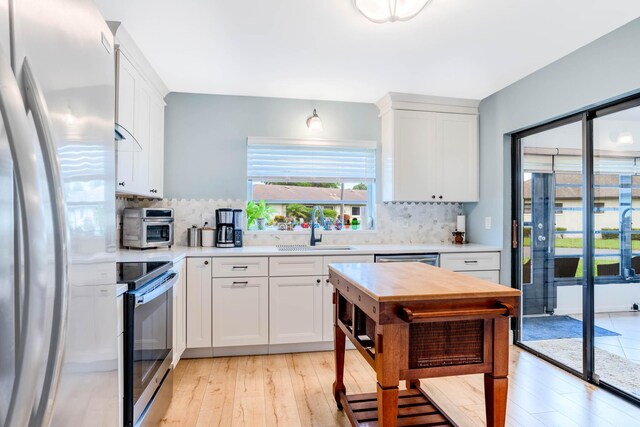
<point>34,253</point>
<point>36,103</point>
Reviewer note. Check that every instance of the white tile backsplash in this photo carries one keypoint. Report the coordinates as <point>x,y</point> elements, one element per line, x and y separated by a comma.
<point>396,222</point>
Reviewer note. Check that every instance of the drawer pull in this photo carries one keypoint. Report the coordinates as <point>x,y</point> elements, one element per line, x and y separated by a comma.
<point>502,309</point>
<point>475,261</point>
<point>241,284</point>
<point>239,267</point>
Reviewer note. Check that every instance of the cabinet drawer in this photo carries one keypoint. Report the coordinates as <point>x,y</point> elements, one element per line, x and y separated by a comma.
<point>471,261</point>
<point>337,259</point>
<point>295,266</point>
<point>488,275</point>
<point>241,267</point>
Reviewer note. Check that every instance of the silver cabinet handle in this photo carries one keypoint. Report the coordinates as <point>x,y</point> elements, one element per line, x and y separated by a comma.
<point>240,267</point>
<point>36,103</point>
<point>471,261</point>
<point>30,346</point>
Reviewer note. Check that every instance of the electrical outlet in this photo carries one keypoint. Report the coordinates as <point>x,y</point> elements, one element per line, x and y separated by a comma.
<point>487,223</point>
<point>208,218</point>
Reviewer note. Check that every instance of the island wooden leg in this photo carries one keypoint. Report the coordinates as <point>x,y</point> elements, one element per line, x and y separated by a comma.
<point>339,339</point>
<point>392,344</point>
<point>496,383</point>
<point>412,384</point>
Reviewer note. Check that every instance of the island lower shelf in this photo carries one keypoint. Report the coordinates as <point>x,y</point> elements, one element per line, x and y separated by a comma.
<point>415,408</point>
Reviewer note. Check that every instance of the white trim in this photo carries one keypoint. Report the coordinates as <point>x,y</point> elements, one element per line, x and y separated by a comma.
<point>437,104</point>
<point>312,142</point>
<point>125,43</point>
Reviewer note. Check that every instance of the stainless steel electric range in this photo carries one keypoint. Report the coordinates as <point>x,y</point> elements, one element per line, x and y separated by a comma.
<point>148,322</point>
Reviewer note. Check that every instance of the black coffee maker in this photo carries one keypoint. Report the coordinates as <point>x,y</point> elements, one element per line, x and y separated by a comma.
<point>225,236</point>
<point>238,226</point>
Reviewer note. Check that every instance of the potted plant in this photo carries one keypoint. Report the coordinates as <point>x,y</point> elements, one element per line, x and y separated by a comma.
<point>347,221</point>
<point>258,214</point>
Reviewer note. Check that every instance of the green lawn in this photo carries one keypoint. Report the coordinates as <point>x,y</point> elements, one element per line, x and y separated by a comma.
<point>576,242</point>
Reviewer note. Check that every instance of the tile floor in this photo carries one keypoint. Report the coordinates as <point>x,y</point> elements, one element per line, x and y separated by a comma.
<point>622,352</point>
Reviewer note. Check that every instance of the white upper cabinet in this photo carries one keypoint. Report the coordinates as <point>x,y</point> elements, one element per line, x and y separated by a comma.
<point>140,110</point>
<point>429,149</point>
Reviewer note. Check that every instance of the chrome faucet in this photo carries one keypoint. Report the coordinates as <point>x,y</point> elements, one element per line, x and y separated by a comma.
<point>313,225</point>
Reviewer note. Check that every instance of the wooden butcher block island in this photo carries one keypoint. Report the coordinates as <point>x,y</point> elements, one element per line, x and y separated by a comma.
<point>412,321</point>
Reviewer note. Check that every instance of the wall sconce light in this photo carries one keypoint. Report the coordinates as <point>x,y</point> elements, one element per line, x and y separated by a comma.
<point>314,122</point>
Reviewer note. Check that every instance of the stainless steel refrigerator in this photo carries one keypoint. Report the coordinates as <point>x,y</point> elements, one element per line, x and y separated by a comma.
<point>58,351</point>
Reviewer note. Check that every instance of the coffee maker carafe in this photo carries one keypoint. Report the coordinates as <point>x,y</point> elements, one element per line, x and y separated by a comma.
<point>225,236</point>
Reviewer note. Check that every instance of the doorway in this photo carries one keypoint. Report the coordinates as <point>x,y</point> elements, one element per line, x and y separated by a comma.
<point>576,243</point>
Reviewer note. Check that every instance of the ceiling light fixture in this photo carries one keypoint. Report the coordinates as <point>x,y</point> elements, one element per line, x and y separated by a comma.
<point>624,138</point>
<point>381,11</point>
<point>314,122</point>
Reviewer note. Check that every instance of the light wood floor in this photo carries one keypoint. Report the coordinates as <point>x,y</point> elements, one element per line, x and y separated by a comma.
<point>295,390</point>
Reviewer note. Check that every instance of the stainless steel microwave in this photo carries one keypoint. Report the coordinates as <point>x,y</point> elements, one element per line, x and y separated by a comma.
<point>145,228</point>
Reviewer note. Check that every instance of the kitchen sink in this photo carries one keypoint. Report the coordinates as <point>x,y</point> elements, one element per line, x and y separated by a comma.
<point>306,248</point>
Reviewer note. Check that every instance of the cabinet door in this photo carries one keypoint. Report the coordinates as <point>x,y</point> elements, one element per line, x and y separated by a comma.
<point>458,139</point>
<point>125,102</point>
<point>416,153</point>
<point>327,309</point>
<point>199,303</point>
<point>295,309</point>
<point>142,122</point>
<point>120,378</point>
<point>156,146</point>
<point>240,311</point>
<point>181,334</point>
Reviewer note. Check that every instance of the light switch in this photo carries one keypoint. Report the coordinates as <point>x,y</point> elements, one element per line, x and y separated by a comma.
<point>487,223</point>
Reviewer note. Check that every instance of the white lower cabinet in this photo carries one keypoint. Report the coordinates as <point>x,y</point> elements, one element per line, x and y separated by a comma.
<point>179,312</point>
<point>295,309</point>
<point>120,320</point>
<point>199,302</point>
<point>327,309</point>
<point>240,311</point>
<point>483,265</point>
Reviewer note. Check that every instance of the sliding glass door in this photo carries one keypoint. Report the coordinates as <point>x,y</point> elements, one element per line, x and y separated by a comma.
<point>616,249</point>
<point>552,243</point>
<point>576,250</point>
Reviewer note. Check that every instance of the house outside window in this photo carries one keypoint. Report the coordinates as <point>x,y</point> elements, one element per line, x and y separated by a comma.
<point>598,207</point>
<point>292,176</point>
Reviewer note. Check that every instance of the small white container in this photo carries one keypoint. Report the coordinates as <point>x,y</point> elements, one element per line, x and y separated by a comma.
<point>208,237</point>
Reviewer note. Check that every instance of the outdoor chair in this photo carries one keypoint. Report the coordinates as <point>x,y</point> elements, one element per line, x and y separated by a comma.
<point>566,267</point>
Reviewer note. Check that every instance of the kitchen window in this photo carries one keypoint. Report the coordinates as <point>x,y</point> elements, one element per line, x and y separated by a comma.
<point>293,175</point>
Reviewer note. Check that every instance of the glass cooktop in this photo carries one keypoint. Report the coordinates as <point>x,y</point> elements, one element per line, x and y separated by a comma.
<point>137,274</point>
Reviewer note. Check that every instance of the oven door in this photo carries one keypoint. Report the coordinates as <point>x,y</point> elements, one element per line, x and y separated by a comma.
<point>157,231</point>
<point>148,343</point>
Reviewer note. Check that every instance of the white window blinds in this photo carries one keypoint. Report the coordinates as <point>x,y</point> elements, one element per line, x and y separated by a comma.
<point>310,160</point>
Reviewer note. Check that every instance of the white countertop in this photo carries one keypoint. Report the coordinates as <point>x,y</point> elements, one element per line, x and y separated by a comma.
<point>177,253</point>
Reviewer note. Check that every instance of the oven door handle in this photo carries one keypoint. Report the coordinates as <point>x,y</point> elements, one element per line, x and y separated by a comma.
<point>157,291</point>
<point>157,220</point>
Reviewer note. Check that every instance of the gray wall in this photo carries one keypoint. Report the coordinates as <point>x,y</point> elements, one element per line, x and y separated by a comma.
<point>605,69</point>
<point>205,136</point>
